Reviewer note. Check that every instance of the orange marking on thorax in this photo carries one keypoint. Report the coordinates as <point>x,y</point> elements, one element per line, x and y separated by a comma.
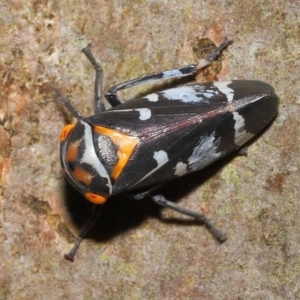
<point>125,145</point>
<point>72,151</point>
<point>94,198</point>
<point>82,176</point>
<point>66,131</point>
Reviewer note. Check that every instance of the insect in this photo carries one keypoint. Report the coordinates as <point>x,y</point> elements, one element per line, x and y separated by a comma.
<point>136,146</point>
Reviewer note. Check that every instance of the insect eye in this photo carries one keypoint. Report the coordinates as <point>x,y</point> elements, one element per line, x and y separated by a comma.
<point>66,132</point>
<point>94,198</point>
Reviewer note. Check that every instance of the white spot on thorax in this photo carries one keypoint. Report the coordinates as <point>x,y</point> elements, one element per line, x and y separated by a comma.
<point>205,152</point>
<point>180,169</point>
<point>152,97</point>
<point>161,158</point>
<point>222,86</point>
<point>241,136</point>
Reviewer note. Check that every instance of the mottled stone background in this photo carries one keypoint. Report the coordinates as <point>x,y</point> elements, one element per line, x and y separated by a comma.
<point>133,253</point>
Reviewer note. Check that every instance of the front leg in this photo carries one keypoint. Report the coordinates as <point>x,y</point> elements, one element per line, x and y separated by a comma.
<point>98,104</point>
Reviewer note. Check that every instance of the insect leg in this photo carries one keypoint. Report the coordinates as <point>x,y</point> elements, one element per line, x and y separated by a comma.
<point>189,70</point>
<point>210,57</point>
<point>143,194</point>
<point>66,102</point>
<point>161,200</point>
<point>97,210</point>
<point>98,104</point>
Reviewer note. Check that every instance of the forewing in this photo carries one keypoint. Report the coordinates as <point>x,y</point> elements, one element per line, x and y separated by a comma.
<point>177,129</point>
<point>184,129</point>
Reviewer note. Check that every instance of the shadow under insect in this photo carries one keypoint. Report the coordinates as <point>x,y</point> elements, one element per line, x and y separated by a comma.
<point>121,213</point>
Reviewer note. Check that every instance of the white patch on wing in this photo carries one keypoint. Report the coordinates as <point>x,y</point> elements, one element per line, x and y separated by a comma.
<point>222,86</point>
<point>161,158</point>
<point>152,97</point>
<point>205,152</point>
<point>172,73</point>
<point>185,94</point>
<point>145,113</point>
<point>180,169</point>
<point>208,94</point>
<point>90,157</point>
<point>241,136</point>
